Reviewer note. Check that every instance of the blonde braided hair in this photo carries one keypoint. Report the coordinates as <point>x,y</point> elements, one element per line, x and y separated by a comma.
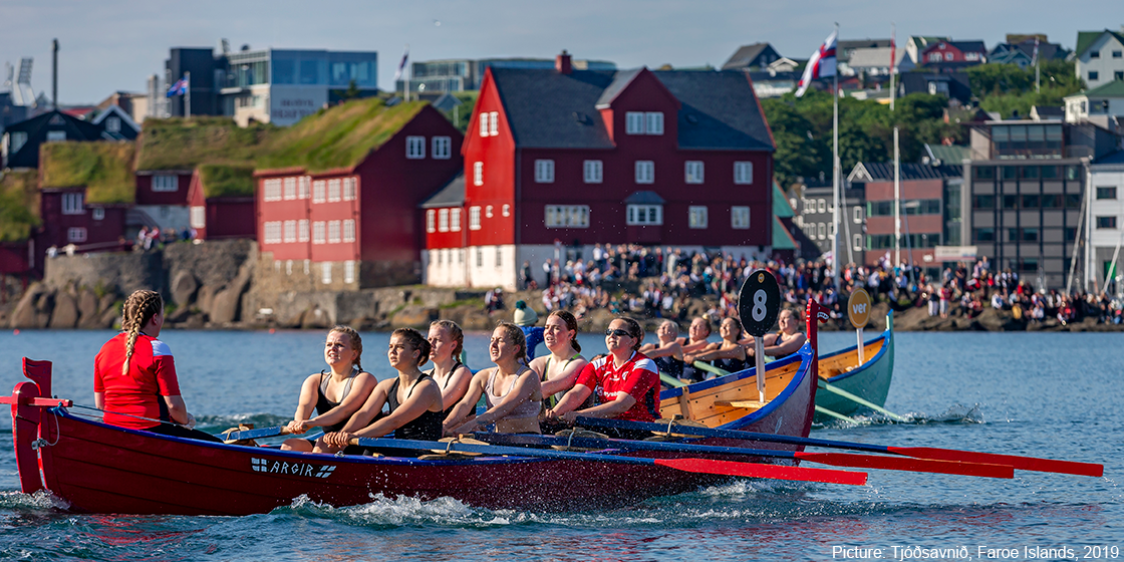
<point>139,308</point>
<point>356,342</point>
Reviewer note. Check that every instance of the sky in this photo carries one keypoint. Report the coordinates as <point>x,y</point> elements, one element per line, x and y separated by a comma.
<point>113,45</point>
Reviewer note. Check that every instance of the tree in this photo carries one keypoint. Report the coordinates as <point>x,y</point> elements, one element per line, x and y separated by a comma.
<point>801,151</point>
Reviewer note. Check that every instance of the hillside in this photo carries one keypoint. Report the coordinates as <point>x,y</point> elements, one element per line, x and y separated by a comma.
<point>19,204</point>
<point>105,168</point>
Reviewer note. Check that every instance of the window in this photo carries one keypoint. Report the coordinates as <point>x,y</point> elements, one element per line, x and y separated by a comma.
<point>443,220</point>
<point>494,124</point>
<point>696,217</point>
<point>822,228</point>
<point>113,125</point>
<point>488,211</point>
<point>318,232</point>
<point>349,188</point>
<point>76,234</point>
<point>477,173</point>
<point>1051,201</point>
<point>1117,54</point>
<point>983,201</point>
<point>743,173</point>
<point>455,220</point>
<point>1010,201</point>
<point>654,122</point>
<point>1118,75</point>
<point>544,171</point>
<point>348,271</point>
<point>499,256</point>
<point>1106,222</point>
<point>479,257</point>
<point>483,124</point>
<point>934,57</point>
<point>1094,75</point>
<point>302,231</point>
<point>506,210</point>
<point>567,216</point>
<point>198,216</point>
<point>474,218</point>
<point>333,232</point>
<point>319,188</point>
<point>19,138</point>
<point>415,148</point>
<point>592,171</point>
<point>857,242</point>
<point>739,217</point>
<point>983,235</point>
<point>333,190</point>
<point>290,189</point>
<point>645,171</point>
<point>271,189</point>
<point>858,212</point>
<point>972,56</point>
<point>303,183</point>
<point>693,171</point>
<point>1106,193</point>
<point>1030,202</point>
<point>56,136</point>
<point>72,203</point>
<point>1094,54</point>
<point>431,221</point>
<point>326,273</point>
<point>948,56</point>
<point>170,182</point>
<point>634,123</point>
<point>984,172</point>
<point>349,230</point>
<point>822,205</point>
<point>290,231</point>
<point>273,232</point>
<point>442,148</point>
<point>644,215</point>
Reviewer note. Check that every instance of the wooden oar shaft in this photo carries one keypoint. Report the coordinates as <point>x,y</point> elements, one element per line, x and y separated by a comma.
<point>1019,462</point>
<point>256,433</point>
<point>729,434</point>
<point>910,464</point>
<point>859,400</point>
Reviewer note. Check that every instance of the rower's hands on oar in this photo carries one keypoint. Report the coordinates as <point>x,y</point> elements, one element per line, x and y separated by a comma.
<point>338,438</point>
<point>190,421</point>
<point>296,427</point>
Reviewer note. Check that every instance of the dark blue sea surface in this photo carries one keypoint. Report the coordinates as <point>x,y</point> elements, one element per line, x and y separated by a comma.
<point>1053,395</point>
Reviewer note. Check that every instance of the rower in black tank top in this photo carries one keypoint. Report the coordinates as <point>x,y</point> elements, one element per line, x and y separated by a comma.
<point>322,402</point>
<point>449,379</point>
<point>730,364</point>
<point>426,427</point>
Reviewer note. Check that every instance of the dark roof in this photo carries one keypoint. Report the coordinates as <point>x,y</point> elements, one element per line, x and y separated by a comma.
<point>745,55</point>
<point>644,198</point>
<point>620,81</point>
<point>1114,158</point>
<point>1049,111</point>
<point>969,46</point>
<point>451,195</point>
<point>884,171</point>
<point>1085,39</point>
<point>547,109</point>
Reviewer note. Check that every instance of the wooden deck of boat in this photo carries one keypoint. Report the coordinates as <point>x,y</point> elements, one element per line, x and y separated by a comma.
<point>847,361</point>
<point>720,404</point>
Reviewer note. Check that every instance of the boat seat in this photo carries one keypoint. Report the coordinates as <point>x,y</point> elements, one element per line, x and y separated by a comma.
<point>747,404</point>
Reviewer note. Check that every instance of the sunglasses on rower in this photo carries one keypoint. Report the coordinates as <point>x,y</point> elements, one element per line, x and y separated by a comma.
<point>617,332</point>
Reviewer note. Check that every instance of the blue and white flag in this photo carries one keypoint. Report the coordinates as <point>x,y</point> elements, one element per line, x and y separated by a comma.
<point>179,88</point>
<point>402,65</point>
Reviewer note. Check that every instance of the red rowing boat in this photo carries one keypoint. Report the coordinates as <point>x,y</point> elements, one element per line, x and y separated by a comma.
<point>100,468</point>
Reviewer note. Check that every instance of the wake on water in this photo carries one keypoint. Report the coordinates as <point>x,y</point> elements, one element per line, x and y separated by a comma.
<point>956,414</point>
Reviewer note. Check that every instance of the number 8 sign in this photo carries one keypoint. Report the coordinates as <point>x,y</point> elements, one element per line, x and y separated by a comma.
<point>759,302</point>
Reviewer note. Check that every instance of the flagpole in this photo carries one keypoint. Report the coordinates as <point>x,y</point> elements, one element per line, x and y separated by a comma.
<point>835,173</point>
<point>893,57</point>
<point>187,96</point>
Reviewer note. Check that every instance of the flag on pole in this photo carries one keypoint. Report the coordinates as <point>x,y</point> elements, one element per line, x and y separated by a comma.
<point>179,88</point>
<point>893,51</point>
<point>402,65</point>
<point>821,65</point>
<point>1034,56</point>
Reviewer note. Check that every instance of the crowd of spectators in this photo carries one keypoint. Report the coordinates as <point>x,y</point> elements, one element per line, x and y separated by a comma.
<point>156,237</point>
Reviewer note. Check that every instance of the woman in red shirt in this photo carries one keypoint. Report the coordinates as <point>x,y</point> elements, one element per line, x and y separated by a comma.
<point>135,380</point>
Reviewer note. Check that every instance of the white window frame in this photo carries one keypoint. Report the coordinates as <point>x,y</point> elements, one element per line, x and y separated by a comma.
<point>857,242</point>
<point>566,216</point>
<point>319,232</point>
<point>97,213</point>
<point>494,125</point>
<point>272,232</point>
<point>454,220</point>
<point>76,234</point>
<point>483,124</point>
<point>349,230</point>
<point>634,122</point>
<point>442,148</point>
<point>302,230</point>
<point>319,191</point>
<point>198,217</point>
<point>593,171</point>
<point>290,232</point>
<point>858,214</point>
<point>415,148</point>
<point>544,171</point>
<point>271,189</point>
<point>335,188</point>
<point>304,187</point>
<point>326,273</point>
<point>645,171</point>
<point>697,216</point>
<point>507,210</point>
<point>821,205</point>
<point>169,183</point>
<point>479,256</point>
<point>73,203</point>
<point>349,271</point>
<point>821,229</point>
<point>113,125</point>
<point>743,173</point>
<point>290,188</point>
<point>443,220</point>
<point>641,215</point>
<point>693,171</point>
<point>739,217</point>
<point>431,220</point>
<point>653,123</point>
<point>474,218</point>
<point>350,188</point>
<point>477,173</point>
<point>499,256</point>
<point>334,232</point>
<point>488,211</point>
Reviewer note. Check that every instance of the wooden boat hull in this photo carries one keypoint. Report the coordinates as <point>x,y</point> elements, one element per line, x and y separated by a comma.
<point>869,381</point>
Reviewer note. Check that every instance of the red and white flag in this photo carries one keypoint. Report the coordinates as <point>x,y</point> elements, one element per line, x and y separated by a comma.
<point>402,65</point>
<point>821,65</point>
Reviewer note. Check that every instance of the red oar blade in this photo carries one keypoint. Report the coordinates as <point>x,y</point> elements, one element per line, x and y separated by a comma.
<point>1020,463</point>
<point>776,472</point>
<point>910,464</point>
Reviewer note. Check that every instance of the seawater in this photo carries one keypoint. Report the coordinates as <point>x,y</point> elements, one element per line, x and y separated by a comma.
<point>1053,395</point>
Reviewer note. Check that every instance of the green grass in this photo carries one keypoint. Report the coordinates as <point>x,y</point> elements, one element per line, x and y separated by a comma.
<point>105,168</point>
<point>183,144</point>
<point>19,205</point>
<point>223,180</point>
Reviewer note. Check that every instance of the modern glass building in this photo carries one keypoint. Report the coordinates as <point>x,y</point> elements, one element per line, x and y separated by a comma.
<point>458,75</point>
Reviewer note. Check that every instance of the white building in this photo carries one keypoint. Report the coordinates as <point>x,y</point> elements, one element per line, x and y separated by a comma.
<point>1105,230</point>
<point>1099,57</point>
<point>1099,105</point>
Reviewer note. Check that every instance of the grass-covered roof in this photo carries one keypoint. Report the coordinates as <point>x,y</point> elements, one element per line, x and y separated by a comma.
<point>183,144</point>
<point>338,137</point>
<point>19,204</point>
<point>225,180</point>
<point>105,168</point>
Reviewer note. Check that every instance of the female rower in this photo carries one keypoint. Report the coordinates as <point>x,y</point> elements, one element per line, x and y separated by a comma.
<point>511,391</point>
<point>668,354</point>
<point>695,342</point>
<point>558,371</point>
<point>785,342</point>
<point>413,399</point>
<point>446,342</point>
<point>625,382</point>
<point>730,355</point>
<point>334,394</point>
<point>135,381</point>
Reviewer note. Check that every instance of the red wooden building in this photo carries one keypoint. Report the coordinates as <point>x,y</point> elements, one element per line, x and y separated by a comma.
<point>361,223</point>
<point>667,158</point>
<point>162,199</point>
<point>216,214</point>
<point>949,56</point>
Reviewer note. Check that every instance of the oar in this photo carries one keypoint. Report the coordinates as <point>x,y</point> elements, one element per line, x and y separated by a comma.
<point>1017,462</point>
<point>255,433</point>
<point>834,459</point>
<point>859,400</point>
<point>702,466</point>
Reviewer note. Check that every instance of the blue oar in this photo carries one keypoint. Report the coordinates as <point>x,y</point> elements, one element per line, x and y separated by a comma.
<point>702,466</point>
<point>931,453</point>
<point>255,433</point>
<point>835,459</point>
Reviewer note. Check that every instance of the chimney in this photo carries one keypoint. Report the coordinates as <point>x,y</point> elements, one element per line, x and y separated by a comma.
<point>55,73</point>
<point>562,63</point>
